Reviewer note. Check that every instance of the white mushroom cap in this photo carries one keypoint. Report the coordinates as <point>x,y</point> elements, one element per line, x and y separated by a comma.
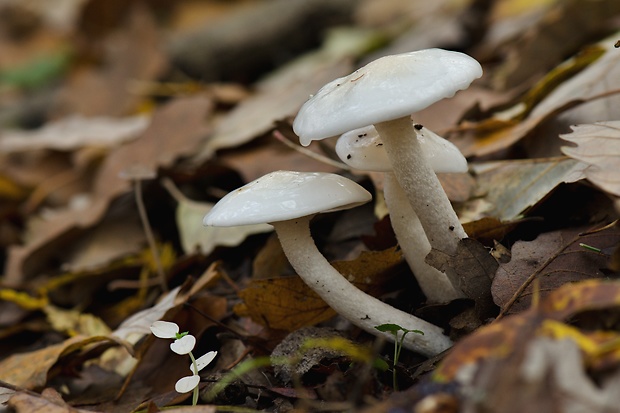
<point>284,195</point>
<point>388,88</point>
<point>363,149</point>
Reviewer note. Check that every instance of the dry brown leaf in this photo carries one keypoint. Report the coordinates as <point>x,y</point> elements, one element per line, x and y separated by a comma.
<point>30,370</point>
<point>536,49</point>
<point>50,401</point>
<point>471,269</point>
<point>506,189</point>
<point>554,258</point>
<point>487,230</point>
<point>283,304</point>
<point>288,303</point>
<point>598,146</point>
<point>195,237</point>
<point>589,96</point>
<point>75,132</point>
<point>175,131</point>
<point>506,336</point>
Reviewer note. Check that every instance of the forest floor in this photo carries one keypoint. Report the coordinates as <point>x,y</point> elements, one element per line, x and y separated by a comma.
<point>122,123</point>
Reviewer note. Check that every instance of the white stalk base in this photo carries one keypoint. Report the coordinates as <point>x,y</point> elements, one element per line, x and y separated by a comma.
<point>361,309</point>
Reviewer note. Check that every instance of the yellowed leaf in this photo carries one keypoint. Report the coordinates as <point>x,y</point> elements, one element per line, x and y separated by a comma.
<point>74,322</point>
<point>39,362</point>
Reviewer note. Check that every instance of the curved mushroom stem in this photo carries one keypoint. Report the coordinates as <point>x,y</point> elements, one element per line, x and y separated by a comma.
<point>415,246</point>
<point>361,309</point>
<point>418,180</point>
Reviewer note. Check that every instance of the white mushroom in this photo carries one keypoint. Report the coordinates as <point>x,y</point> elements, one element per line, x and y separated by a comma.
<point>288,201</point>
<point>385,93</point>
<point>363,149</point>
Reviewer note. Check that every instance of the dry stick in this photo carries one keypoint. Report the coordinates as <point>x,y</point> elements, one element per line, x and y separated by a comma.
<point>316,156</point>
<point>149,234</point>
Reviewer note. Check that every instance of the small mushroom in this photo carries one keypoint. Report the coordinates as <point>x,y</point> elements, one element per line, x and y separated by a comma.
<point>288,201</point>
<point>385,93</point>
<point>363,149</point>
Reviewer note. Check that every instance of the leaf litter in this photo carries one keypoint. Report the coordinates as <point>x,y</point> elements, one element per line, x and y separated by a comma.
<point>79,288</point>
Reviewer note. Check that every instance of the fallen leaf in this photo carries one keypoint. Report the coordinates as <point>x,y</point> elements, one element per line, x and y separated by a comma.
<point>288,303</point>
<point>175,131</point>
<point>28,402</point>
<point>197,238</point>
<point>487,230</point>
<point>506,189</point>
<point>598,146</point>
<point>41,361</point>
<point>508,335</point>
<point>554,258</point>
<point>74,132</point>
<point>587,97</point>
<point>471,269</point>
<point>536,49</point>
<point>283,304</point>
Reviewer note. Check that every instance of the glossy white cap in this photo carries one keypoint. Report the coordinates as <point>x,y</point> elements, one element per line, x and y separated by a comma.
<point>363,149</point>
<point>388,88</point>
<point>284,195</point>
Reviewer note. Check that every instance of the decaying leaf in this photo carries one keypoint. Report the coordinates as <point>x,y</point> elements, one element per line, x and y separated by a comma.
<point>41,361</point>
<point>506,189</point>
<point>471,269</point>
<point>507,335</point>
<point>196,237</point>
<point>587,97</point>
<point>598,146</point>
<point>554,258</point>
<point>49,401</point>
<point>283,304</point>
<point>288,303</point>
<point>75,132</point>
<point>175,131</point>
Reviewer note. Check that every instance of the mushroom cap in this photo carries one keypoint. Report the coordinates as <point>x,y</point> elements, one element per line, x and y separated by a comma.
<point>388,88</point>
<point>284,195</point>
<point>363,149</point>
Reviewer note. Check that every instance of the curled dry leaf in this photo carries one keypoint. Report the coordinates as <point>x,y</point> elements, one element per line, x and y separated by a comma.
<point>598,146</point>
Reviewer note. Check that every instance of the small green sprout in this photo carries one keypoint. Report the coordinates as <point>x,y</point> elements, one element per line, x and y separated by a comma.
<point>398,343</point>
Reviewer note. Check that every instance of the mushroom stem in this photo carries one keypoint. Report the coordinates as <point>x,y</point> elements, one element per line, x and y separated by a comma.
<point>361,309</point>
<point>415,246</point>
<point>418,180</point>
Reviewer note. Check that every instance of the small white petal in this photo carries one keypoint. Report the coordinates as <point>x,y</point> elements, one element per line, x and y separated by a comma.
<point>187,384</point>
<point>164,329</point>
<point>203,361</point>
<point>184,344</point>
